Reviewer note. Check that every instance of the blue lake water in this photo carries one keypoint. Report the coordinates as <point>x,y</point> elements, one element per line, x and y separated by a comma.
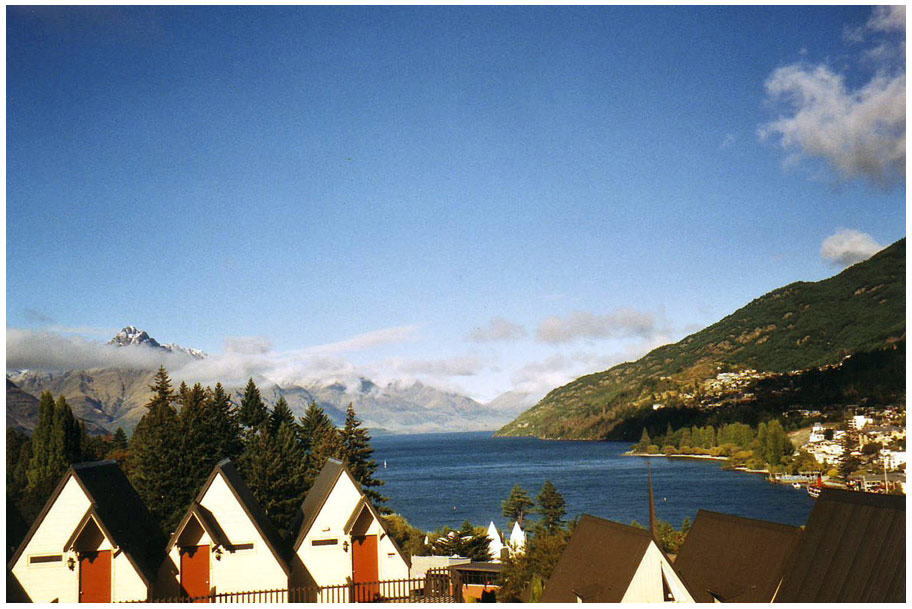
<point>446,478</point>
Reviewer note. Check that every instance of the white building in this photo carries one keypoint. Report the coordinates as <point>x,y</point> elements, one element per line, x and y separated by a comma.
<point>94,541</point>
<point>826,452</point>
<point>517,539</point>
<point>859,421</point>
<point>225,542</point>
<point>495,544</point>
<point>817,433</point>
<point>342,537</point>
<point>893,459</point>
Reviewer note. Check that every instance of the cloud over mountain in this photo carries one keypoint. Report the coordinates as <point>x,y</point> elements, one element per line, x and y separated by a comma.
<point>848,246</point>
<point>622,323</point>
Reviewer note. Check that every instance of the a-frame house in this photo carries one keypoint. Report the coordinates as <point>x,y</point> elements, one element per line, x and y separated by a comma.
<point>225,542</point>
<point>609,562</point>
<point>341,537</point>
<point>94,541</point>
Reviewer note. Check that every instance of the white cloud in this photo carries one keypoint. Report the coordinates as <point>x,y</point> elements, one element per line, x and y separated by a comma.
<point>622,323</point>
<point>247,344</point>
<point>859,132</point>
<point>442,367</point>
<point>498,329</point>
<point>848,246</point>
<point>369,340</point>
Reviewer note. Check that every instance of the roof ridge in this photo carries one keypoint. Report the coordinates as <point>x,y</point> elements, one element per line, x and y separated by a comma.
<point>748,521</point>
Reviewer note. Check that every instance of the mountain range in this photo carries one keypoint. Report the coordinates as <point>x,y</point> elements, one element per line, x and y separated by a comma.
<point>800,326</point>
<point>115,397</point>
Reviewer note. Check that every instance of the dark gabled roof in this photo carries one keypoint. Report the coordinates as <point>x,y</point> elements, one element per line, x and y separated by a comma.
<point>478,567</point>
<point>119,510</point>
<point>852,551</point>
<point>600,560</point>
<point>735,559</point>
<point>317,496</point>
<point>319,493</point>
<point>248,503</point>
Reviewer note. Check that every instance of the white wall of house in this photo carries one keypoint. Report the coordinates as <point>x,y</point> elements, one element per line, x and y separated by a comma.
<point>50,582</point>
<point>242,570</point>
<point>332,564</point>
<point>646,585</point>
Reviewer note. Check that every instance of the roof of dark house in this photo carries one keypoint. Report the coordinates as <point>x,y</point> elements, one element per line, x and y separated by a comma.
<point>853,550</point>
<point>735,559</point>
<point>598,563</point>
<point>478,567</point>
<point>248,503</point>
<point>120,510</point>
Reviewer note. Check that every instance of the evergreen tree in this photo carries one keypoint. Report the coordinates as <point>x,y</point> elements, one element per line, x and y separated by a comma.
<point>222,422</point>
<point>468,541</point>
<point>41,477</point>
<point>551,507</point>
<point>281,413</point>
<point>18,455</point>
<point>273,468</point>
<point>199,450</point>
<point>313,424</point>
<point>358,456</point>
<point>155,459</point>
<point>644,442</point>
<point>253,411</point>
<point>517,505</point>
<point>119,440</point>
<point>327,443</point>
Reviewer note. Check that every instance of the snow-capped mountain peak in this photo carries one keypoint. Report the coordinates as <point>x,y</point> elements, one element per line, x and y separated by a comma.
<point>133,336</point>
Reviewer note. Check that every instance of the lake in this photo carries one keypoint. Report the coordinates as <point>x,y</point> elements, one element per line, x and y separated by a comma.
<point>445,478</point>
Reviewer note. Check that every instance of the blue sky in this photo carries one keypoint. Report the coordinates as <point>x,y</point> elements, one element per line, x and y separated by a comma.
<point>479,198</point>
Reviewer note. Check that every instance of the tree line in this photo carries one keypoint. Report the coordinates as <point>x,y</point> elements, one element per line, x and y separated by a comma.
<point>766,446</point>
<point>179,440</point>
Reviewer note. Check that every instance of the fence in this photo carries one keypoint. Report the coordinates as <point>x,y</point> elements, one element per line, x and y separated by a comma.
<point>435,587</point>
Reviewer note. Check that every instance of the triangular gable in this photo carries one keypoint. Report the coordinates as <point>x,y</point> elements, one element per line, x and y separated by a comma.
<point>322,488</point>
<point>119,512</point>
<point>244,497</point>
<point>90,516</point>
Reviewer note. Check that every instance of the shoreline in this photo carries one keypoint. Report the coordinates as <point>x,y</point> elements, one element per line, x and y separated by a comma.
<point>739,468</point>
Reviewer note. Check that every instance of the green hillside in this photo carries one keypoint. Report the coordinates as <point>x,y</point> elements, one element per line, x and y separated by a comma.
<point>799,326</point>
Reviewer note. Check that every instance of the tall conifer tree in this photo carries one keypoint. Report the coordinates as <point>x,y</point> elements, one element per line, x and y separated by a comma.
<point>551,507</point>
<point>253,411</point>
<point>358,455</point>
<point>281,413</point>
<point>40,474</point>
<point>517,505</point>
<point>155,459</point>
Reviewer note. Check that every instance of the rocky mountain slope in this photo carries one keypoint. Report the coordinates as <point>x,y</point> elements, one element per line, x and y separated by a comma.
<point>799,326</point>
<point>115,397</point>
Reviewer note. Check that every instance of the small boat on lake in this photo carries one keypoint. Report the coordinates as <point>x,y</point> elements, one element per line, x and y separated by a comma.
<point>796,485</point>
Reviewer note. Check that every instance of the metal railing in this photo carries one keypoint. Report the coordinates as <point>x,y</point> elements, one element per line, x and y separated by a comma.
<point>434,587</point>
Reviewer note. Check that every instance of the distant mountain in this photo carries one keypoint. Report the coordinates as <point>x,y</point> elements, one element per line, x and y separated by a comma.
<point>131,336</point>
<point>802,325</point>
<point>116,397</point>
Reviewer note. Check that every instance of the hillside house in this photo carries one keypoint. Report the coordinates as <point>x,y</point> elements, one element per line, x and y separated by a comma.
<point>225,542</point>
<point>853,550</point>
<point>341,536</point>
<point>732,559</point>
<point>609,562</point>
<point>94,541</point>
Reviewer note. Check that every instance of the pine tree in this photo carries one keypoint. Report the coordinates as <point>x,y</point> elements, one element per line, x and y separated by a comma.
<point>40,475</point>
<point>517,505</point>
<point>313,424</point>
<point>119,441</point>
<point>645,441</point>
<point>358,456</point>
<point>198,450</point>
<point>253,411</point>
<point>281,413</point>
<point>272,466</point>
<point>551,507</point>
<point>223,423</point>
<point>325,444</point>
<point>155,459</point>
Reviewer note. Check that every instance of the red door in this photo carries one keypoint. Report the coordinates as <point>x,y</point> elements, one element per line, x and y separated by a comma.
<point>364,568</point>
<point>194,572</point>
<point>95,577</point>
